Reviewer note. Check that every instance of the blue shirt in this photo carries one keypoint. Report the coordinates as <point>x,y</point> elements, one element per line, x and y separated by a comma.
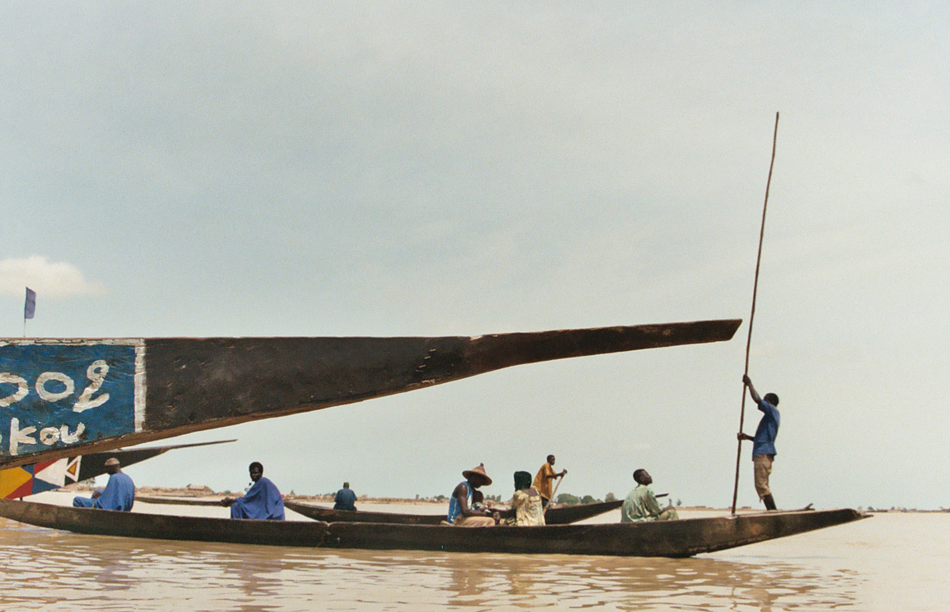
<point>262,501</point>
<point>345,500</point>
<point>764,441</point>
<point>454,508</point>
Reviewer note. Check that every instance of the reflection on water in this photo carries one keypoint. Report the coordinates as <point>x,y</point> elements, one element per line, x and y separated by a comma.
<point>45,569</point>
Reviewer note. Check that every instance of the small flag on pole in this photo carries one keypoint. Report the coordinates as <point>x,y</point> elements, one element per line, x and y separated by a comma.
<point>29,308</point>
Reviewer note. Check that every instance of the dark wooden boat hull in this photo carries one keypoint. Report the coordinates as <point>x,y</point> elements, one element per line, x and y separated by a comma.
<point>562,515</point>
<point>680,538</point>
<point>66,397</point>
<point>176,501</point>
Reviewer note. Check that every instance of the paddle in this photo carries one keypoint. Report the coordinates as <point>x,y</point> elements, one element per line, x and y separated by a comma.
<point>560,480</point>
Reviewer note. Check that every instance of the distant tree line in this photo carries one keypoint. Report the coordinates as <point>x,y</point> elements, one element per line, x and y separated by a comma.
<point>571,500</point>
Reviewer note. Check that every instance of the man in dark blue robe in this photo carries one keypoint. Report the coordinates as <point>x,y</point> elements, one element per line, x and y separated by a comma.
<point>345,499</point>
<point>119,493</point>
<point>262,500</point>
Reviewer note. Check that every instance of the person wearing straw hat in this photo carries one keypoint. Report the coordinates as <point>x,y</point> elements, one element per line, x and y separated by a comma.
<point>461,512</point>
<point>763,443</point>
<point>119,493</point>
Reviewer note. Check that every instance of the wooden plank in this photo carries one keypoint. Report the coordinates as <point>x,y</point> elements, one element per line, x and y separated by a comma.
<point>60,396</point>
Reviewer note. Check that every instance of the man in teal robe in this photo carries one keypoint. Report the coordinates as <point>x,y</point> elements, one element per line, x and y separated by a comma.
<point>641,504</point>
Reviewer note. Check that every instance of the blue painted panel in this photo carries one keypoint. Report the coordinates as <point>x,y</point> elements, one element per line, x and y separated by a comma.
<point>55,395</point>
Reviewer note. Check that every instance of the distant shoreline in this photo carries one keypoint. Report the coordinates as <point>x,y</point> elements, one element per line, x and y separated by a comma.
<point>204,492</point>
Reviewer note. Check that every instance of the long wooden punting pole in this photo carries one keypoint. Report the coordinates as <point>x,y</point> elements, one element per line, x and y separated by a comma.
<point>553,494</point>
<point>64,397</point>
<point>755,289</point>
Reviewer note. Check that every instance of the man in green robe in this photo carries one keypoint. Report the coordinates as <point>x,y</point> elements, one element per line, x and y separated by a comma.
<point>641,504</point>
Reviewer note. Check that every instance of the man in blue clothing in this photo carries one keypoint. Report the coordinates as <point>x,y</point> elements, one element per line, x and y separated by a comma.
<point>763,443</point>
<point>461,511</point>
<point>119,493</point>
<point>262,500</point>
<point>345,499</point>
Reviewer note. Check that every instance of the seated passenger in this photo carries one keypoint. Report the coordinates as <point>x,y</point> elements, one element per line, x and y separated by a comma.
<point>119,493</point>
<point>345,499</point>
<point>262,500</point>
<point>641,504</point>
<point>461,512</point>
<point>526,504</point>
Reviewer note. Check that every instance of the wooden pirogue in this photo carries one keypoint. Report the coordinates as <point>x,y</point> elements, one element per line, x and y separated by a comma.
<point>681,538</point>
<point>561,515</point>
<point>65,397</point>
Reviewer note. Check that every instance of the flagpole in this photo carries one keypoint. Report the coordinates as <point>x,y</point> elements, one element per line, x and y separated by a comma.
<point>29,307</point>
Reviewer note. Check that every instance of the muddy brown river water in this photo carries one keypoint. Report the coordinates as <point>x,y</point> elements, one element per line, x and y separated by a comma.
<point>889,562</point>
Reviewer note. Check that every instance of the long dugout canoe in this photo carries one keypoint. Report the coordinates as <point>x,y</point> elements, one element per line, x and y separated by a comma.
<point>63,397</point>
<point>561,515</point>
<point>681,538</point>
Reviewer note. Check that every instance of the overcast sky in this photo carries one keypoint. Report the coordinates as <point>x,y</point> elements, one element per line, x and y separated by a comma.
<point>390,169</point>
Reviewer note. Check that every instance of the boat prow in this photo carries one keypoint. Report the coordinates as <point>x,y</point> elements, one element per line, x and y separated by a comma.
<point>73,396</point>
<point>680,538</point>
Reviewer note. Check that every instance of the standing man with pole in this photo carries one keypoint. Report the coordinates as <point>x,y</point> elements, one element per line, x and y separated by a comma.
<point>763,443</point>
<point>755,290</point>
<point>542,481</point>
